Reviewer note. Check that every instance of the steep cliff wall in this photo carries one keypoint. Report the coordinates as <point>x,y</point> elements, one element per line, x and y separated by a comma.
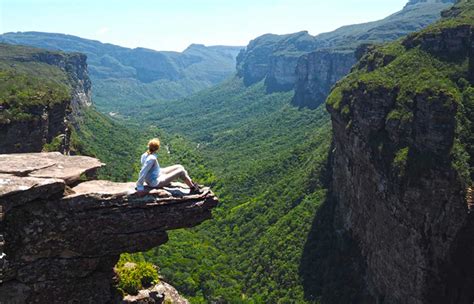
<point>75,67</point>
<point>47,124</point>
<point>275,57</point>
<point>313,64</point>
<point>42,93</point>
<point>317,72</point>
<point>402,165</point>
<point>62,236</point>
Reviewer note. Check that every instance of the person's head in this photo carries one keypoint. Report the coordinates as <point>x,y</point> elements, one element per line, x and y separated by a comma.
<point>153,145</point>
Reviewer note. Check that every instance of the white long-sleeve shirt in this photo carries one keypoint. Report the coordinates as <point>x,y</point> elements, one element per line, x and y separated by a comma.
<point>149,172</point>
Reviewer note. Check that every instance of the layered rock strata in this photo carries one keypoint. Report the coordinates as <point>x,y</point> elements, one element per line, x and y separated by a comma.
<point>401,190</point>
<point>63,234</point>
<point>47,124</point>
<point>317,72</point>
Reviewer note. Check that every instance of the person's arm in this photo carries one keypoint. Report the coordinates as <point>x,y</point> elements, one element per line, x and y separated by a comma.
<point>143,173</point>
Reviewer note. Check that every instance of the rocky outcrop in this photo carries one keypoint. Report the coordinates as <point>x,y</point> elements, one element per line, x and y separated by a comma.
<point>63,234</point>
<point>75,67</point>
<point>398,190</point>
<point>313,64</point>
<point>415,233</point>
<point>281,76</point>
<point>275,57</point>
<point>317,72</point>
<point>157,294</point>
<point>47,126</point>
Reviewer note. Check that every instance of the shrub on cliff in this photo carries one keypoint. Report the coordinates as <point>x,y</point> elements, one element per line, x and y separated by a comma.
<point>134,276</point>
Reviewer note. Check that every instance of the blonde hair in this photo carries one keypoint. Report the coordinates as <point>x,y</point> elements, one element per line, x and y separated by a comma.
<point>153,146</point>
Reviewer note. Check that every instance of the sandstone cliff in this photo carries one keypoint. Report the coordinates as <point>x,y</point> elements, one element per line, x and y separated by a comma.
<point>62,235</point>
<point>402,167</point>
<point>313,64</point>
<point>75,67</point>
<point>44,92</point>
<point>317,72</point>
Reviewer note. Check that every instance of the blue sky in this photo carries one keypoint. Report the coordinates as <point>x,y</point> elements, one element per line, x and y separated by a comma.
<point>174,24</point>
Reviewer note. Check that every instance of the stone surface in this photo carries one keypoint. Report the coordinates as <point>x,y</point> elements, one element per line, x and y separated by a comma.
<point>282,61</point>
<point>317,72</point>
<point>31,135</point>
<point>413,229</point>
<point>23,164</point>
<point>60,244</point>
<point>15,190</point>
<point>157,294</point>
<point>49,123</point>
<point>49,165</point>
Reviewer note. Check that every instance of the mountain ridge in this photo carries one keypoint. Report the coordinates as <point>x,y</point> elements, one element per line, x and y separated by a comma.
<point>276,58</point>
<point>124,76</point>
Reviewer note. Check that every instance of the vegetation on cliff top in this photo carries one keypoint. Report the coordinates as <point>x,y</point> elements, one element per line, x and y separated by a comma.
<point>412,68</point>
<point>268,165</point>
<point>26,83</point>
<point>123,77</point>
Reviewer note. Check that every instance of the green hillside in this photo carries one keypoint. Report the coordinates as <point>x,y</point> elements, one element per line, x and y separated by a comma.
<point>267,160</point>
<point>423,64</point>
<point>26,82</point>
<point>124,77</point>
<point>258,60</point>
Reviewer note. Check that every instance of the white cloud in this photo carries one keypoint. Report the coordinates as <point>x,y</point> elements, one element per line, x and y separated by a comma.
<point>103,30</point>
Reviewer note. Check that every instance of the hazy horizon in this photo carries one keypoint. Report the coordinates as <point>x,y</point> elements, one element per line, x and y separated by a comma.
<point>173,26</point>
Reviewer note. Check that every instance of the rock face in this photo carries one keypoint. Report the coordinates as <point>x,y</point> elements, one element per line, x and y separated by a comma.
<point>281,76</point>
<point>47,123</point>
<point>62,235</point>
<point>124,76</point>
<point>275,57</point>
<point>312,64</point>
<point>413,2</point>
<point>157,294</point>
<point>398,190</point>
<point>317,72</point>
<point>75,66</point>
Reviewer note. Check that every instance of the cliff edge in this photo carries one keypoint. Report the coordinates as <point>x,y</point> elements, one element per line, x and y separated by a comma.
<point>42,95</point>
<point>402,164</point>
<point>62,234</point>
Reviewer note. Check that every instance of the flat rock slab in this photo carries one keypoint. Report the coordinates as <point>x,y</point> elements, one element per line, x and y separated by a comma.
<point>69,168</point>
<point>49,165</point>
<point>102,188</point>
<point>23,164</point>
<point>10,184</point>
<point>25,189</point>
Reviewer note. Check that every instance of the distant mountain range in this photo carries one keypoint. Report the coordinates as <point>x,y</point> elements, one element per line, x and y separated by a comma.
<point>313,64</point>
<point>126,76</point>
<point>123,78</point>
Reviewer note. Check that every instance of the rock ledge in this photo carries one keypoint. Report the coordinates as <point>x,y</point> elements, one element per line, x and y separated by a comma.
<point>61,234</point>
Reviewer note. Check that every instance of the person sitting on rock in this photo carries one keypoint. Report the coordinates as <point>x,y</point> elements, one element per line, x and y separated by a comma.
<point>157,177</point>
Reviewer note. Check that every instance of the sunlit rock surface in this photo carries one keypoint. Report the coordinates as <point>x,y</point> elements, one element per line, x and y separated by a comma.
<point>62,234</point>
